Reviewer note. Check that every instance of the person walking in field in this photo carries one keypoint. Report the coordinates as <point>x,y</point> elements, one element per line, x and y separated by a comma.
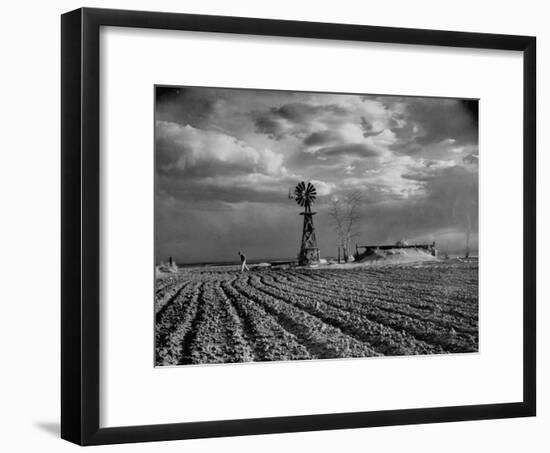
<point>243,262</point>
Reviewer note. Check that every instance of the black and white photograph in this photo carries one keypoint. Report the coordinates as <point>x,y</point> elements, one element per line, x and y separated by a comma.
<point>276,226</point>
<point>307,225</point>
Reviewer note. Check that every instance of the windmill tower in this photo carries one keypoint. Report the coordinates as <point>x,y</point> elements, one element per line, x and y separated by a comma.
<point>305,196</point>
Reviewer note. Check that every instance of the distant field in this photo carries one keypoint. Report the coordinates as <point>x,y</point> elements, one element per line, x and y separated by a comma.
<point>220,316</point>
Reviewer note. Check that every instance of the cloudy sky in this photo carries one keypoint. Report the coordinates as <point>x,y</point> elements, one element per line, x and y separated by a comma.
<point>226,159</point>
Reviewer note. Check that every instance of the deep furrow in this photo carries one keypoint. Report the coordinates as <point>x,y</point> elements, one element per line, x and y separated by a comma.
<point>451,328</point>
<point>383,338</point>
<point>362,302</point>
<point>236,329</point>
<point>384,277</point>
<point>385,293</point>
<point>322,340</point>
<point>422,332</point>
<point>269,340</point>
<point>164,299</point>
<point>453,305</point>
<point>213,338</point>
<point>451,298</point>
<point>171,333</point>
<point>169,318</point>
<point>163,283</point>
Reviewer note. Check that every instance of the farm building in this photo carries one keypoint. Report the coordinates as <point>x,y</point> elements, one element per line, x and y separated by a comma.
<point>364,251</point>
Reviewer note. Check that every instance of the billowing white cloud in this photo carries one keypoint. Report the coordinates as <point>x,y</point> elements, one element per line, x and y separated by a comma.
<point>188,150</point>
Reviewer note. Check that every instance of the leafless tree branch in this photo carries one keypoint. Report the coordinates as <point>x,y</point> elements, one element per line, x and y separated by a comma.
<point>345,215</point>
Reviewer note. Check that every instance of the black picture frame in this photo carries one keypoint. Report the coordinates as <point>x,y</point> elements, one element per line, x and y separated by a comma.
<point>80,188</point>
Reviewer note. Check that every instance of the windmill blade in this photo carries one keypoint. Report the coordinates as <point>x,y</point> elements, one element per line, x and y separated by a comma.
<point>299,193</point>
<point>311,193</point>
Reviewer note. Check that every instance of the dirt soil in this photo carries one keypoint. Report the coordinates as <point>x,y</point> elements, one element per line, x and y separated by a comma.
<point>221,315</point>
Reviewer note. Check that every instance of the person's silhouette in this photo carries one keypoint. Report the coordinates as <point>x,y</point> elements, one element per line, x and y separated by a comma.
<point>243,262</point>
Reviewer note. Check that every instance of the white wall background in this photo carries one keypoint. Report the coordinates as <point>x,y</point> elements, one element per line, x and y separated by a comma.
<point>29,197</point>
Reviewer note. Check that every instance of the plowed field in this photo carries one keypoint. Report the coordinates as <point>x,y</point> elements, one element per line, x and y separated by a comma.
<point>221,315</point>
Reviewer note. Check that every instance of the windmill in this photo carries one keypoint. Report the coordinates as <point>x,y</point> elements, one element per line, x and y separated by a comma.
<point>305,196</point>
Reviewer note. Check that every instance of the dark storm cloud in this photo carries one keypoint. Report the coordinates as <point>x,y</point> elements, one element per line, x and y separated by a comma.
<point>190,235</point>
<point>453,197</point>
<point>429,172</point>
<point>445,120</point>
<point>423,177</point>
<point>448,209</point>
<point>368,128</point>
<point>186,105</point>
<point>226,159</point>
<point>409,147</point>
<point>351,149</point>
<point>272,127</point>
<point>299,112</point>
<point>169,93</point>
<point>321,138</point>
<point>428,122</point>
<point>293,118</point>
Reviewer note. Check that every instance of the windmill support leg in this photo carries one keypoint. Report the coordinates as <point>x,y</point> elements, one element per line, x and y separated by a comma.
<point>309,252</point>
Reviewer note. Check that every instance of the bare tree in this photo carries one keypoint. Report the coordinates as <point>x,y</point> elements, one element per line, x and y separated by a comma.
<point>344,214</point>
